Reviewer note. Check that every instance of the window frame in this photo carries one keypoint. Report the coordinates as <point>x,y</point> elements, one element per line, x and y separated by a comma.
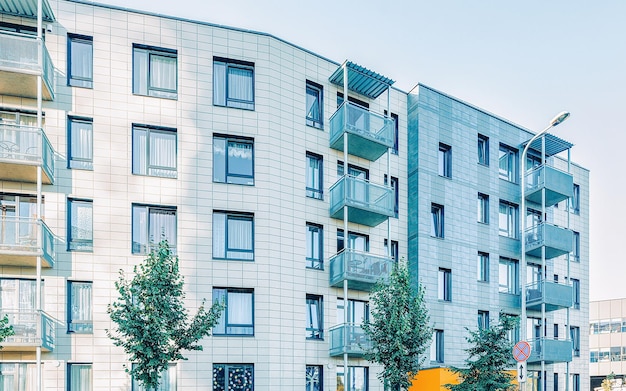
<point>395,249</point>
<point>142,83</point>
<point>221,161</point>
<point>225,314</point>
<point>78,245</point>
<point>510,171</point>
<point>437,347</point>
<point>437,227</point>
<point>576,246</point>
<point>444,284</point>
<point>363,373</point>
<point>483,320</point>
<point>483,150</point>
<point>172,378</point>
<point>512,276</point>
<point>444,159</point>
<point>70,367</point>
<point>311,261</point>
<point>483,208</point>
<point>512,219</point>
<point>313,332</point>
<point>483,266</point>
<point>575,337</point>
<point>233,216</point>
<point>137,154</point>
<point>227,101</point>
<point>314,173</point>
<point>395,186</point>
<point>74,56</point>
<point>73,161</point>
<point>396,118</point>
<point>85,326</point>
<point>314,378</point>
<point>318,91</point>
<point>575,293</point>
<point>145,247</point>
<point>576,199</point>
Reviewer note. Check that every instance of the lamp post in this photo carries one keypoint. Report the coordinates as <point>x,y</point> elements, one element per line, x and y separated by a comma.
<point>558,119</point>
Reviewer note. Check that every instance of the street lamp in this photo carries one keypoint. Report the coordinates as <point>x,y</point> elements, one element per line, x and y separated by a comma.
<point>558,119</point>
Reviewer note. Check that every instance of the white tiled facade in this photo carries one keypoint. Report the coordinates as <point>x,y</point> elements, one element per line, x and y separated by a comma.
<point>279,350</point>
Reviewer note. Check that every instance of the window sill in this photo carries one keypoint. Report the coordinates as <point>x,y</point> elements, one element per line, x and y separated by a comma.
<point>315,126</point>
<point>484,165</point>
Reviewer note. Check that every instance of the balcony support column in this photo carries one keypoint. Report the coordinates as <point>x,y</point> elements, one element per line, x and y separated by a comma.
<point>346,236</point>
<point>39,167</point>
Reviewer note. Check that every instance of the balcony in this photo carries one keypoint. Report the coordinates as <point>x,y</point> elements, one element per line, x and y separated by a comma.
<point>348,338</point>
<point>550,350</point>
<point>19,67</point>
<point>367,204</point>
<point>22,150</point>
<point>361,269</point>
<point>556,240</point>
<point>31,329</point>
<point>369,135</point>
<point>558,185</point>
<point>18,242</point>
<point>555,296</point>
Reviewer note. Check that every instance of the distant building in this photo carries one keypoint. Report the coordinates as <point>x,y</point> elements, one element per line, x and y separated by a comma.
<point>607,340</point>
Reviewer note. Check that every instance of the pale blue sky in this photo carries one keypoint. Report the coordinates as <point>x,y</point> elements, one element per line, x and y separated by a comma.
<point>522,60</point>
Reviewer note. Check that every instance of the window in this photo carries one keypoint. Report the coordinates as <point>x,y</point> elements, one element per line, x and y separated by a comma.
<point>358,311</point>
<point>233,236</point>
<point>80,225</point>
<point>79,61</point>
<point>167,382</point>
<point>314,246</point>
<point>396,125</point>
<point>576,247</point>
<point>151,224</point>
<point>314,105</point>
<point>575,382</point>
<point>79,377</point>
<point>233,160</point>
<point>576,199</point>
<point>508,219</point>
<point>436,228</point>
<point>576,289</point>
<point>314,317</point>
<point>356,241</point>
<point>233,377</point>
<point>80,308</point>
<point>508,275</point>
<point>18,376</point>
<point>436,347</point>
<point>483,320</point>
<point>314,378</point>
<point>155,72</point>
<point>508,163</point>
<point>483,150</point>
<point>154,151</point>
<point>483,208</point>
<point>394,249</point>
<point>80,146</point>
<point>556,331</point>
<point>357,378</point>
<point>233,83</point>
<point>445,285</point>
<point>575,337</point>
<point>445,160</point>
<point>238,317</point>
<point>513,335</point>
<point>396,192</point>
<point>483,266</point>
<point>556,381</point>
<point>314,176</point>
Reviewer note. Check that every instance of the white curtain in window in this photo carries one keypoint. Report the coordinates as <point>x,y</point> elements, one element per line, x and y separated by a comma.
<point>219,235</point>
<point>219,296</point>
<point>312,104</point>
<point>82,221</point>
<point>140,72</point>
<point>140,146</point>
<point>81,308</point>
<point>312,173</point>
<point>80,377</point>
<point>312,314</point>
<point>82,60</point>
<point>240,235</point>
<point>163,153</point>
<point>240,84</point>
<point>219,84</point>
<point>163,72</point>
<point>162,225</point>
<point>239,308</point>
<point>82,140</point>
<point>312,242</point>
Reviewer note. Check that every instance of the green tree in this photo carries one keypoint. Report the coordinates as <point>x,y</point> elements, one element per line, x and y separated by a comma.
<point>489,357</point>
<point>398,328</point>
<point>152,324</point>
<point>6,330</point>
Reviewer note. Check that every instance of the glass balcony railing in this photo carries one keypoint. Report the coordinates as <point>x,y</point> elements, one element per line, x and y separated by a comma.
<point>31,329</point>
<point>558,184</point>
<point>556,240</point>
<point>22,149</point>
<point>19,67</point>
<point>368,204</point>
<point>553,295</point>
<point>18,242</point>
<point>362,270</point>
<point>369,135</point>
<point>348,338</point>
<point>550,350</point>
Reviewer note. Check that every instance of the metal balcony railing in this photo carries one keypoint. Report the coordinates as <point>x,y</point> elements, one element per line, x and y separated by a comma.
<point>18,242</point>
<point>553,295</point>
<point>31,329</point>
<point>362,270</point>
<point>22,149</point>
<point>558,185</point>
<point>556,240</point>
<point>368,204</point>
<point>348,338</point>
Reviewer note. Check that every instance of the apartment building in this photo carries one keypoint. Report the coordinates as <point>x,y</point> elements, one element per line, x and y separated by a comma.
<point>127,127</point>
<point>607,343</point>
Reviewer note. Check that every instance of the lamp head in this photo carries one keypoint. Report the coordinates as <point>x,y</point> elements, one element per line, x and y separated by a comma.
<point>562,116</point>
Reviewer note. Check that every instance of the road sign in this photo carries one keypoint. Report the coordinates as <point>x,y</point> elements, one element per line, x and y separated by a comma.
<point>521,351</point>
<point>521,372</point>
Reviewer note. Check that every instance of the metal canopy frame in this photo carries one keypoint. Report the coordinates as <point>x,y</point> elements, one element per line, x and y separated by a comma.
<point>554,145</point>
<point>361,80</point>
<point>26,9</point>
